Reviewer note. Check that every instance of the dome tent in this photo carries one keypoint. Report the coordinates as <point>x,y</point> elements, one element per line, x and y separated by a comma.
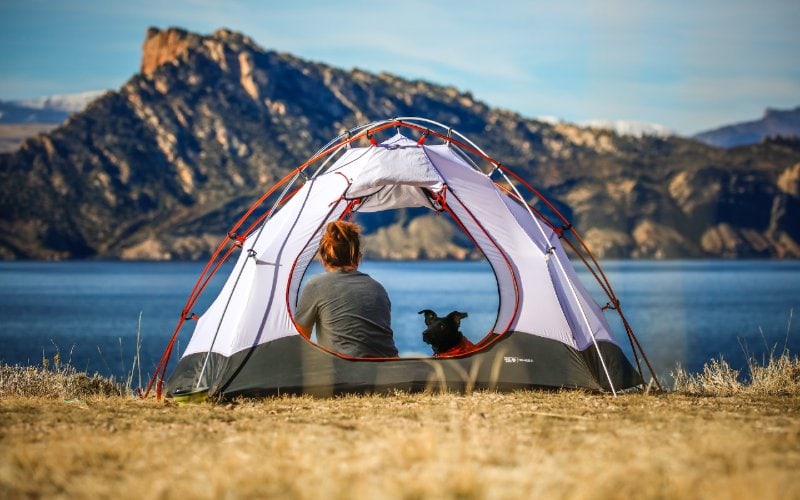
<point>548,332</point>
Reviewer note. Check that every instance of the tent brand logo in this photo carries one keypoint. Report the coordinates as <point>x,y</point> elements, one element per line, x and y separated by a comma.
<point>515,359</point>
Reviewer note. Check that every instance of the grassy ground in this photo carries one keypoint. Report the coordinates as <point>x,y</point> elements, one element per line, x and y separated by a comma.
<point>482,445</point>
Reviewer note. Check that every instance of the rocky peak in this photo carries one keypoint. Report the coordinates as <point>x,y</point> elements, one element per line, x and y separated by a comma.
<point>164,46</point>
<point>234,38</point>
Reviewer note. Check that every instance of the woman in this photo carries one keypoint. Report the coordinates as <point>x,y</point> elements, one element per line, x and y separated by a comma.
<point>350,310</point>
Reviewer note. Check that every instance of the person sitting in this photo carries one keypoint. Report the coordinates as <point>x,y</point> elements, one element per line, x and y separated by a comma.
<point>350,310</point>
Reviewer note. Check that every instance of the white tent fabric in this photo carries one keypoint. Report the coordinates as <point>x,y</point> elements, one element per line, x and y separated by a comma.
<point>539,290</point>
<point>389,176</point>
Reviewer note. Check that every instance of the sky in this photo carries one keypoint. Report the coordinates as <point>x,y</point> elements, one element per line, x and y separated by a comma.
<point>689,65</point>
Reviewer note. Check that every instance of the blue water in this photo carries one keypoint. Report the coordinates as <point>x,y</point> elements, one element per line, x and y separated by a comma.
<point>682,312</point>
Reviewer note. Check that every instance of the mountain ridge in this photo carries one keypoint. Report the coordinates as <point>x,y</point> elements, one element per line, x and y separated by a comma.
<point>774,123</point>
<point>159,168</point>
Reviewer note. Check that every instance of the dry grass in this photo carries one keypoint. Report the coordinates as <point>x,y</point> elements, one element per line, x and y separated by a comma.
<point>75,440</point>
<point>482,445</point>
<point>67,383</point>
<point>54,379</point>
<point>779,375</point>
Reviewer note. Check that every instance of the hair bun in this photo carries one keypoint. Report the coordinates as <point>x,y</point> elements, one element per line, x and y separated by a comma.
<point>340,245</point>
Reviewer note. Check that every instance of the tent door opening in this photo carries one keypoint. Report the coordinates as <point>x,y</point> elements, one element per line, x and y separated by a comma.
<point>454,277</point>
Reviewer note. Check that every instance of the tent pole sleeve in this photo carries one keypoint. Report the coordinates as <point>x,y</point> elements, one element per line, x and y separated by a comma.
<point>586,321</point>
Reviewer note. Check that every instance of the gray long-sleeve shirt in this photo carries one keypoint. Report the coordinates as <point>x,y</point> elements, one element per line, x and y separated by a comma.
<point>351,313</point>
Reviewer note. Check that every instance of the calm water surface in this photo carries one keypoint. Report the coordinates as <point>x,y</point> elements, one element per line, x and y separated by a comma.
<point>683,311</point>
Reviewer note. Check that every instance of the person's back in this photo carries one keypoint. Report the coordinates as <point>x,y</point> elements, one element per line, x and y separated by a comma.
<point>350,310</point>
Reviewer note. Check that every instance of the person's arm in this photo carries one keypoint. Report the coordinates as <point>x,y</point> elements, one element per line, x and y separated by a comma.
<point>306,313</point>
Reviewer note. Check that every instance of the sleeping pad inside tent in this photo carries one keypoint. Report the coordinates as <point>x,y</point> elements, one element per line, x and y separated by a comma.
<point>549,331</point>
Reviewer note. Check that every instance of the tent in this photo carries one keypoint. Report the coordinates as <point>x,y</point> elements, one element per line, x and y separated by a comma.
<point>549,331</point>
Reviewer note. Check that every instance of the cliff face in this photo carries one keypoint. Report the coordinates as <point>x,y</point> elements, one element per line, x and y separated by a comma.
<point>160,168</point>
<point>162,47</point>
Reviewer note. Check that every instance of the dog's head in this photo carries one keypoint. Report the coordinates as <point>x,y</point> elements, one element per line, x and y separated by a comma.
<point>442,333</point>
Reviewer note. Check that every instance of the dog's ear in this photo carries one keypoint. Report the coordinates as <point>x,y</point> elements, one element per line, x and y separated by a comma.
<point>429,316</point>
<point>456,317</point>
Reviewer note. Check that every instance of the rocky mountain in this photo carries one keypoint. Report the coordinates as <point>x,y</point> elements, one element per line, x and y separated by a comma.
<point>775,123</point>
<point>160,168</point>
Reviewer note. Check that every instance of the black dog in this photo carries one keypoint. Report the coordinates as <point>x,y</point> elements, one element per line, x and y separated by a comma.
<point>442,334</point>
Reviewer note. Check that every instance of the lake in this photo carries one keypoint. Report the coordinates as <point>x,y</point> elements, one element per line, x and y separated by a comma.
<point>682,311</point>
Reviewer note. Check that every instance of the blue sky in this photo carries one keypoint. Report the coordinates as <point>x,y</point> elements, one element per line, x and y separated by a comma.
<point>688,65</point>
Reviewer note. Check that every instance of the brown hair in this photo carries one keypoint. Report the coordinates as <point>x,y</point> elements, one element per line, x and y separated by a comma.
<point>340,245</point>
